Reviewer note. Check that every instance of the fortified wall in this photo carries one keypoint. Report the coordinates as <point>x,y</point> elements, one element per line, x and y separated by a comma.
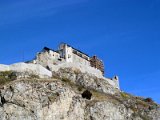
<point>67,56</point>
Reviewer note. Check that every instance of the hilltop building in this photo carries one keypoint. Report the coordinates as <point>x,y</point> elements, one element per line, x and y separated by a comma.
<point>70,54</point>
<point>67,53</point>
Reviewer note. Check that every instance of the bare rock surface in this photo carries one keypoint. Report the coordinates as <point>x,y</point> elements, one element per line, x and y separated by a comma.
<point>58,99</point>
<point>67,94</point>
<point>86,80</point>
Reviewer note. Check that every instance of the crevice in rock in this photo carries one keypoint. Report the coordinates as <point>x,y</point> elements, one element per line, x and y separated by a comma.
<point>3,101</point>
<point>11,88</point>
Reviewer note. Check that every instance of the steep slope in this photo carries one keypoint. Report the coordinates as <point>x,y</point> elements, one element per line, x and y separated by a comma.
<point>71,95</point>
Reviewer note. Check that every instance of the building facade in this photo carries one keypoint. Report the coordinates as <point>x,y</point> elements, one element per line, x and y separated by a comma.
<point>70,54</point>
<point>67,53</point>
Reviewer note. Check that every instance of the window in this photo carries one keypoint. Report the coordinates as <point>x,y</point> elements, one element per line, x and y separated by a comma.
<point>69,56</point>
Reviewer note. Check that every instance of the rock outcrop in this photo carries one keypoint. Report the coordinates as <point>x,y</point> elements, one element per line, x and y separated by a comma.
<point>86,80</point>
<point>67,94</point>
<point>57,99</point>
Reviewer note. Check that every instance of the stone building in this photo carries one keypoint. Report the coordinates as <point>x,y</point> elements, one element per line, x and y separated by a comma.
<point>47,56</point>
<point>70,54</point>
<point>67,53</point>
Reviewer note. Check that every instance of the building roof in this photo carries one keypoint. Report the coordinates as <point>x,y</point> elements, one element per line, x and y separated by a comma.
<point>48,49</point>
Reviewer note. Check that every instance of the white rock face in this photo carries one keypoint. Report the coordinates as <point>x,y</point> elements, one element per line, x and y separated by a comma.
<point>30,69</point>
<point>84,69</point>
<point>55,100</point>
<point>86,80</point>
<point>44,101</point>
<point>26,69</point>
<point>113,112</point>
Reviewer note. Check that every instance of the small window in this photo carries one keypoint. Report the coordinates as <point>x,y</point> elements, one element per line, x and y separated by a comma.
<point>69,56</point>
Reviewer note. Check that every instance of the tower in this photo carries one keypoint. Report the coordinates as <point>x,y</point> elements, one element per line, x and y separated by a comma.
<point>66,52</point>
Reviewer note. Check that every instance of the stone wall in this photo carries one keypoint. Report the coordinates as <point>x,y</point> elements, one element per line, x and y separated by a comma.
<point>24,70</point>
<point>77,59</point>
<point>46,58</point>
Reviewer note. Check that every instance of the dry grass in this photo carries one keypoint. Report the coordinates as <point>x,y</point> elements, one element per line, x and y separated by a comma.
<point>99,96</point>
<point>6,77</point>
<point>124,95</point>
<point>142,103</point>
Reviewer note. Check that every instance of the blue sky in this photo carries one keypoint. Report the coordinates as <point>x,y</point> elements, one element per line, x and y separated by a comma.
<point>125,34</point>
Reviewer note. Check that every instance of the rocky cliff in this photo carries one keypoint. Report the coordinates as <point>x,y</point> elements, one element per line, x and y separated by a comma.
<point>69,95</point>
